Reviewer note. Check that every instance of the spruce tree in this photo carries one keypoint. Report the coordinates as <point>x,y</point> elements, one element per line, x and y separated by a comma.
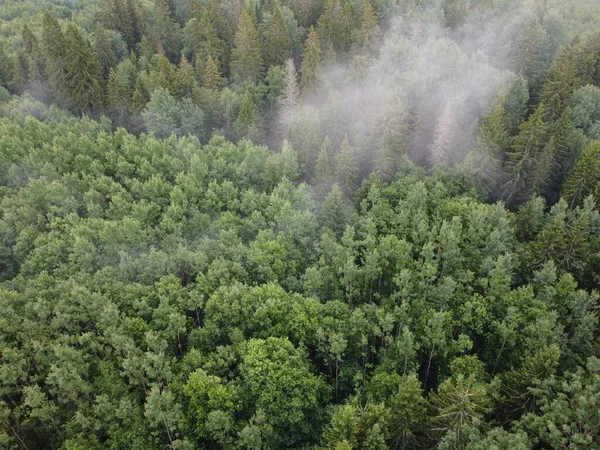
<point>369,33</point>
<point>439,150</point>
<point>246,58</point>
<point>291,92</point>
<point>530,57</point>
<point>5,65</point>
<point>165,77</point>
<point>187,81</point>
<point>211,78</point>
<point>323,176</point>
<point>584,179</point>
<point>55,48</point>
<point>311,62</point>
<point>346,168</point>
<point>82,71</point>
<point>103,51</point>
<point>527,145</point>
<point>277,45</point>
<point>560,83</point>
<point>165,31</point>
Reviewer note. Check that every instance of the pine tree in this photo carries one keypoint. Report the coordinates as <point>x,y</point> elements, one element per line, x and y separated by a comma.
<point>530,57</point>
<point>277,45</point>
<point>346,168</point>
<point>204,40</point>
<point>560,83</point>
<point>527,145</point>
<point>18,74</point>
<point>82,71</point>
<point>187,81</point>
<point>391,136</point>
<point>369,33</point>
<point>121,16</point>
<point>35,66</point>
<point>493,140</point>
<point>311,62</point>
<point>211,79</point>
<point>55,47</point>
<point>118,98</point>
<point>246,58</point>
<point>324,166</point>
<point>584,179</point>
<point>335,26</point>
<point>439,150</point>
<point>165,77</point>
<point>166,32</point>
<point>248,122</point>
<point>103,51</point>
<point>141,95</point>
<point>291,92</point>
<point>5,65</point>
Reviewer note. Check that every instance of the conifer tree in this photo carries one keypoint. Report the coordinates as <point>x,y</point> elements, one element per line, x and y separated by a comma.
<point>54,46</point>
<point>141,95</point>
<point>492,143</point>
<point>392,136</point>
<point>369,32</point>
<point>118,98</point>
<point>439,150</point>
<point>18,73</point>
<point>560,83</point>
<point>291,92</point>
<point>248,122</point>
<point>311,62</point>
<point>187,81</point>
<point>277,45</point>
<point>103,51</point>
<point>204,40</point>
<point>165,77</point>
<point>530,56</point>
<point>82,71</point>
<point>5,65</point>
<point>527,145</point>
<point>324,166</point>
<point>584,179</point>
<point>35,66</point>
<point>246,58</point>
<point>165,31</point>
<point>346,168</point>
<point>211,78</point>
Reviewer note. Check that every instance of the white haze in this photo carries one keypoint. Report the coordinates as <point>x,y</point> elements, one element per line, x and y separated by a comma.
<point>420,70</point>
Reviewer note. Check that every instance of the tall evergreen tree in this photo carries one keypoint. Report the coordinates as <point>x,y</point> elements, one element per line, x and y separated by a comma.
<point>277,42</point>
<point>103,50</point>
<point>246,58</point>
<point>311,62</point>
<point>584,179</point>
<point>165,31</point>
<point>531,52</point>
<point>211,78</point>
<point>291,92</point>
<point>346,168</point>
<point>82,72</point>
<point>55,48</point>
<point>560,83</point>
<point>527,145</point>
<point>187,81</point>
<point>369,33</point>
<point>165,77</point>
<point>439,150</point>
<point>5,65</point>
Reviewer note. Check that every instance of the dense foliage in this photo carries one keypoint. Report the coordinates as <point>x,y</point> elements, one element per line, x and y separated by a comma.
<point>335,225</point>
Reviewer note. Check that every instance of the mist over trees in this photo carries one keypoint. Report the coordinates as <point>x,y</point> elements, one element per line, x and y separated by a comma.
<point>325,224</point>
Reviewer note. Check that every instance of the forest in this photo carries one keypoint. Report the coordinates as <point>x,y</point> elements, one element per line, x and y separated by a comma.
<point>299,224</point>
